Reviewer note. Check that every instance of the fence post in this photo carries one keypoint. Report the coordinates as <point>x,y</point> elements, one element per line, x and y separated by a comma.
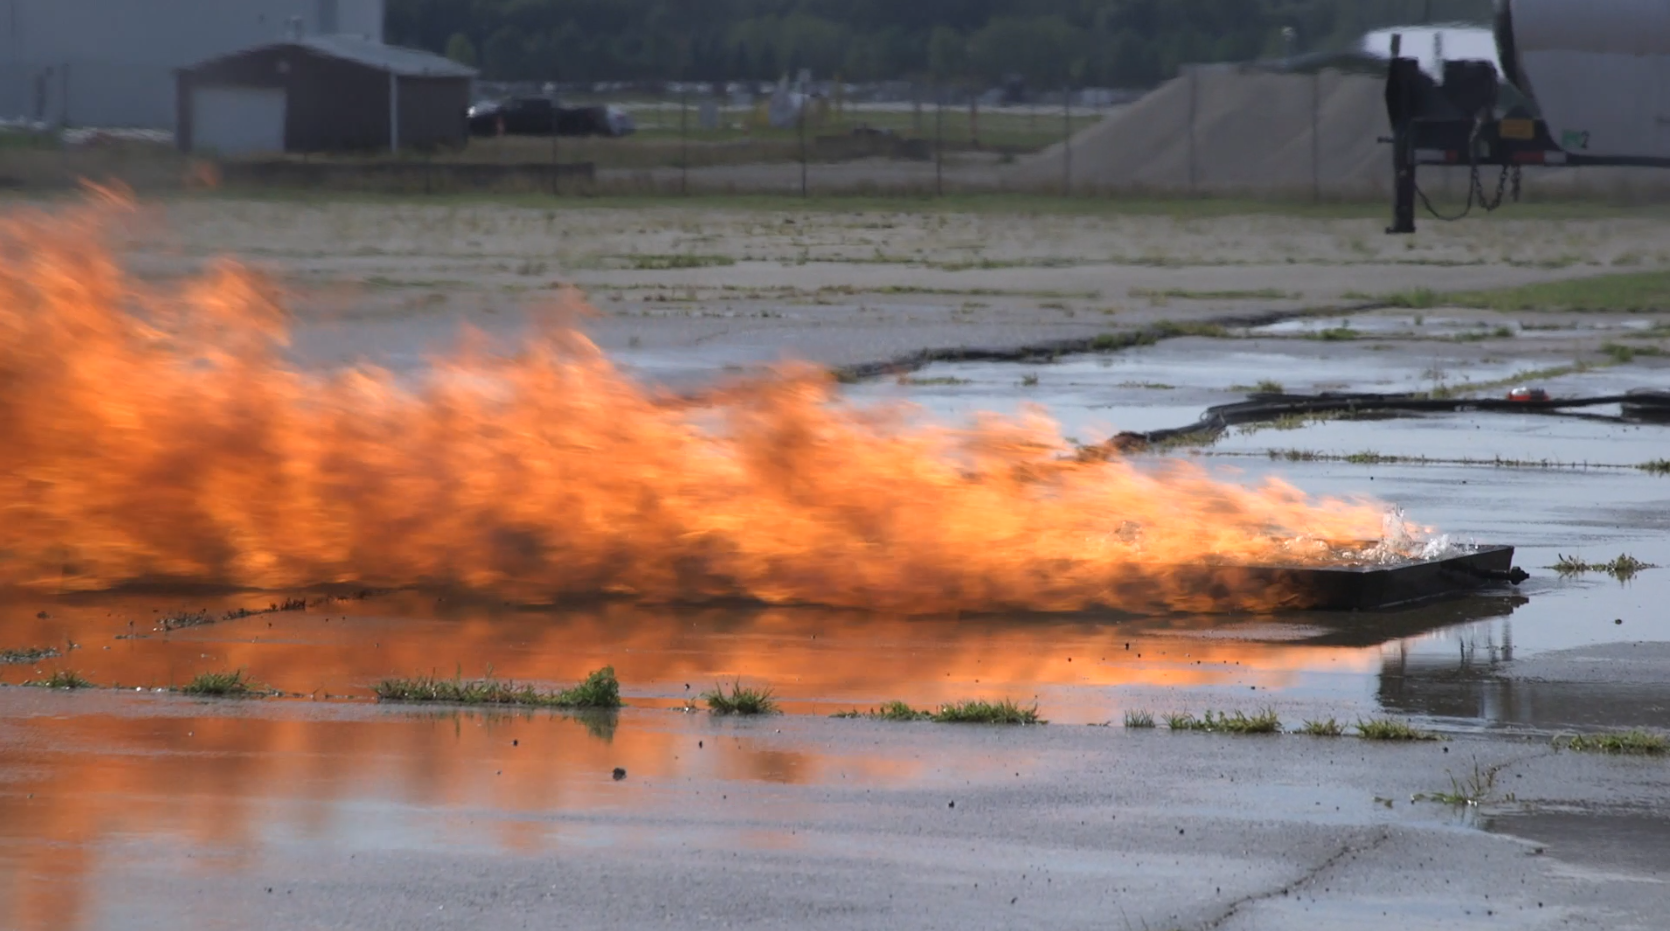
<point>1316,137</point>
<point>394,113</point>
<point>802,125</point>
<point>939,141</point>
<point>1194,103</point>
<point>1066,141</point>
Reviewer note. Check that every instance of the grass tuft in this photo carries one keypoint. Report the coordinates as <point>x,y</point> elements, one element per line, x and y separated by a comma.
<point>1139,719</point>
<point>1470,789</point>
<point>599,690</point>
<point>1185,294</point>
<point>1265,722</point>
<point>670,262</point>
<point>1638,743</point>
<point>1334,334</point>
<point>27,655</point>
<point>1414,299</point>
<point>1623,355</point>
<point>62,679</point>
<point>225,685</point>
<point>888,711</point>
<point>1623,568</point>
<point>1264,386</point>
<point>184,619</point>
<point>978,711</point>
<point>740,699</point>
<point>1328,728</point>
<point>1391,729</point>
<point>1170,329</point>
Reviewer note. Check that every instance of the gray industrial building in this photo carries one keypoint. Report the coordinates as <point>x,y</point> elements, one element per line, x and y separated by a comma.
<point>333,93</point>
<point>112,63</point>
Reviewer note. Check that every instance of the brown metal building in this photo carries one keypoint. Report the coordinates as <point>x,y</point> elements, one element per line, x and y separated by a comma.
<point>328,93</point>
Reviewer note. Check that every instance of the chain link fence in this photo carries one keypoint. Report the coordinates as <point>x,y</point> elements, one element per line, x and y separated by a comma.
<point>1217,131</point>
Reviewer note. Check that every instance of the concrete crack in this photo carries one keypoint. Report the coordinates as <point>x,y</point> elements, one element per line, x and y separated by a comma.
<point>1310,875</point>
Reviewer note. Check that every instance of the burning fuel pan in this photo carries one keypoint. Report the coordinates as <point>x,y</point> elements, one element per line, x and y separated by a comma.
<point>1362,588</point>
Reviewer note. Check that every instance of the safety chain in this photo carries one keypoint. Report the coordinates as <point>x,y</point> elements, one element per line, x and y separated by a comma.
<point>1475,188</point>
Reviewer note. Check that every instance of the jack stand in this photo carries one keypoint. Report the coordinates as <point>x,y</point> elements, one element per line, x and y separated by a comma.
<point>1403,183</point>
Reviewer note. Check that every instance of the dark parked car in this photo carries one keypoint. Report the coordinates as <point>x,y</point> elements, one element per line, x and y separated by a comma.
<point>541,116</point>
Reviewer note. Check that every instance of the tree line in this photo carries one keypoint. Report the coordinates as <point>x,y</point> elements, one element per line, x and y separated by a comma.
<point>1105,43</point>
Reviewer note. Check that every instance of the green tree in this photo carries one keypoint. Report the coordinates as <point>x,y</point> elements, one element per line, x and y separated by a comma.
<point>460,49</point>
<point>947,52</point>
<point>505,55</point>
<point>1115,42</point>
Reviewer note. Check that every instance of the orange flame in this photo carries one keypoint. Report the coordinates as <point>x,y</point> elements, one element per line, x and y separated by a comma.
<point>160,435</point>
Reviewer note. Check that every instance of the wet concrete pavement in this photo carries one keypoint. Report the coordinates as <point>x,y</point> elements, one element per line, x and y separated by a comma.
<point>122,809</point>
<point>166,812</point>
<point>137,808</point>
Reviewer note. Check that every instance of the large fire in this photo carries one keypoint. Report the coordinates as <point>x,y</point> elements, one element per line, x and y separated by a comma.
<point>159,434</point>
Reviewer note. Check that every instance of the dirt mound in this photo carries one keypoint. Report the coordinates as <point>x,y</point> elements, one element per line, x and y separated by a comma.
<point>1272,135</point>
<point>1252,133</point>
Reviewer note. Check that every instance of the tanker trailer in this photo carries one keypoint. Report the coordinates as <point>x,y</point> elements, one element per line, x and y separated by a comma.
<point>1582,82</point>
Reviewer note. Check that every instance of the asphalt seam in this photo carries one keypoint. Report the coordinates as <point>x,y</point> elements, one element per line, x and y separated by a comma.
<point>1348,850</point>
<point>1112,341</point>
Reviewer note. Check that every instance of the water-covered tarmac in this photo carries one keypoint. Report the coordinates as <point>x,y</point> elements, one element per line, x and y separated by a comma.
<point>211,800</point>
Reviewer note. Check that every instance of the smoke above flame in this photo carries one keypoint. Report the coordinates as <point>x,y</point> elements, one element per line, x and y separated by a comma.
<point>158,434</point>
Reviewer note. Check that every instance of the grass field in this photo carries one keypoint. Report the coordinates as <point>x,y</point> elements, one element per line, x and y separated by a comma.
<point>743,140</point>
<point>1014,203</point>
<point>1019,129</point>
<point>1618,292</point>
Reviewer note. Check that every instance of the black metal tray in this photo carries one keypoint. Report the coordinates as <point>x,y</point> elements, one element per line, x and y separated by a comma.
<point>1357,588</point>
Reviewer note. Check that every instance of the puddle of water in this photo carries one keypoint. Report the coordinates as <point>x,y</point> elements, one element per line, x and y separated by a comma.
<point>1636,842</point>
<point>90,780</point>
<point>1427,325</point>
<point>1078,668</point>
<point>93,785</point>
<point>817,661</point>
<point>1446,673</point>
<point>1380,325</point>
<point>1171,384</point>
<point>1571,442</point>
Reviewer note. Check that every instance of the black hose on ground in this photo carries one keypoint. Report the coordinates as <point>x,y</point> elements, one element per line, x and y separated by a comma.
<point>1648,405</point>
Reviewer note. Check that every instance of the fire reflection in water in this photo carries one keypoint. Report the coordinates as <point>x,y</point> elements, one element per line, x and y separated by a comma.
<point>83,776</point>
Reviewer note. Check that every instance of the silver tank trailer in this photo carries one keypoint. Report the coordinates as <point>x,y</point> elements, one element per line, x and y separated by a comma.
<point>1599,70</point>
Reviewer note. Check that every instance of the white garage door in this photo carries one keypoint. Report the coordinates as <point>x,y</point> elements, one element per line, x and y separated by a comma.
<point>237,120</point>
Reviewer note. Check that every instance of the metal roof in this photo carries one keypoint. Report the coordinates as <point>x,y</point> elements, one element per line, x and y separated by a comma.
<point>406,62</point>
